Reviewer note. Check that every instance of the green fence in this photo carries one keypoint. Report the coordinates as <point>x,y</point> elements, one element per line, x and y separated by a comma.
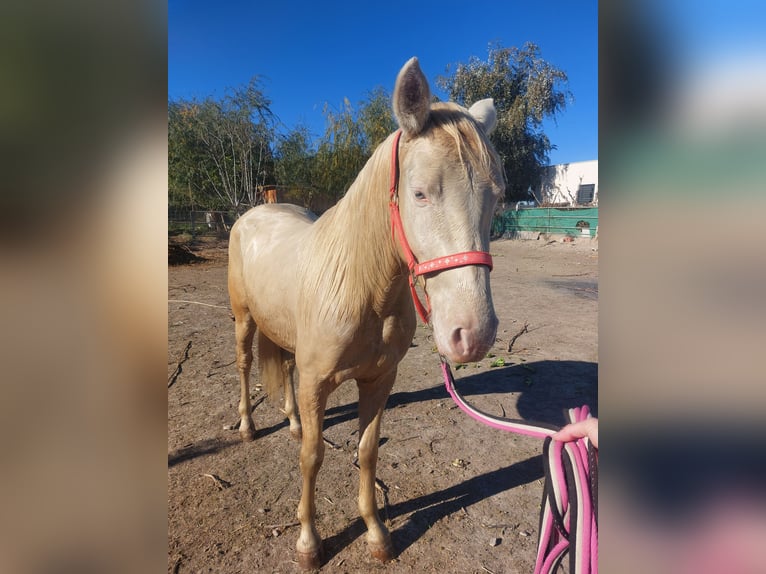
<point>554,220</point>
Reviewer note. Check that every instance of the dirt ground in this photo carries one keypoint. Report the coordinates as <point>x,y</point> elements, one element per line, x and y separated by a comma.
<point>459,496</point>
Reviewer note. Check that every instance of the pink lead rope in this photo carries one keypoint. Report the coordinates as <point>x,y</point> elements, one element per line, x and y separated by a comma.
<point>568,513</point>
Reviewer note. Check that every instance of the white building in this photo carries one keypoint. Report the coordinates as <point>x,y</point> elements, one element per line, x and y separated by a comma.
<point>569,184</point>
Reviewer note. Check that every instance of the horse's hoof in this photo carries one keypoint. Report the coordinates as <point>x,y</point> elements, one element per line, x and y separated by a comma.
<point>310,560</point>
<point>382,552</point>
<point>247,435</point>
<point>296,433</point>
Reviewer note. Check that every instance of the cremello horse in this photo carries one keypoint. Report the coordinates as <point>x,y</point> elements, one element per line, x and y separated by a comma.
<point>331,295</point>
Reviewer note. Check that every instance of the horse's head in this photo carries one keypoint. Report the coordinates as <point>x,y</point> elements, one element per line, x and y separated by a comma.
<point>450,178</point>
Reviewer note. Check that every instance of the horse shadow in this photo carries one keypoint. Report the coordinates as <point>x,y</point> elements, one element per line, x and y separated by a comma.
<point>424,511</point>
<point>203,448</point>
<point>545,390</point>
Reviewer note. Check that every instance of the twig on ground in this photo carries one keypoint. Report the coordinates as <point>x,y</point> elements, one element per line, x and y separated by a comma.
<point>387,519</point>
<point>409,438</point>
<point>219,482</point>
<point>586,289</point>
<point>182,357</point>
<point>196,303</point>
<point>332,444</point>
<point>498,526</point>
<point>282,526</point>
<point>221,366</point>
<point>258,402</point>
<point>524,329</point>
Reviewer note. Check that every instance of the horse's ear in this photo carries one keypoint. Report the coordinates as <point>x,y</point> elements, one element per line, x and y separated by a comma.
<point>485,114</point>
<point>412,98</point>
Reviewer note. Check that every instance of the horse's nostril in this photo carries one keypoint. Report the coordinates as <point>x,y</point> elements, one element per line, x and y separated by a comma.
<point>462,341</point>
<point>469,344</point>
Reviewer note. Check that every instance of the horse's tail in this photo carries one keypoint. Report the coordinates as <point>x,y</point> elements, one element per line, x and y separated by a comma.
<point>271,365</point>
<point>276,367</point>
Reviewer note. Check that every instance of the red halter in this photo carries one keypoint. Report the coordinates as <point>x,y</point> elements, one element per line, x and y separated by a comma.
<point>433,265</point>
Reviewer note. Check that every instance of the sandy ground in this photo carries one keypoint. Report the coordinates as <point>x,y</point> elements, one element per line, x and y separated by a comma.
<point>460,497</point>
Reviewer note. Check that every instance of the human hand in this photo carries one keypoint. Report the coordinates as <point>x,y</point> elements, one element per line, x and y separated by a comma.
<point>573,431</point>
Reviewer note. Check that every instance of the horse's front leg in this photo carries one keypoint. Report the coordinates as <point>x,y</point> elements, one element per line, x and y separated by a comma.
<point>372,400</point>
<point>312,401</point>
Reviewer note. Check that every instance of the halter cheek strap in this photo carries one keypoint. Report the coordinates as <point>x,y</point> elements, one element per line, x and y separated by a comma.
<point>432,265</point>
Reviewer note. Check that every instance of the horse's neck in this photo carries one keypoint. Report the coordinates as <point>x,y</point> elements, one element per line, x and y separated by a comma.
<point>358,232</point>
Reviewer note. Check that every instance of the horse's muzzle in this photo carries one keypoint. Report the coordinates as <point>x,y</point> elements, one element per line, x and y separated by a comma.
<point>467,344</point>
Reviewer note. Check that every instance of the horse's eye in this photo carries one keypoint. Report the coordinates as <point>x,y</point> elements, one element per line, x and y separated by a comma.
<point>420,196</point>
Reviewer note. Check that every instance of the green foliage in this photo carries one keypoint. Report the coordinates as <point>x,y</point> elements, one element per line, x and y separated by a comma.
<point>294,161</point>
<point>526,90</point>
<point>219,150</point>
<point>376,119</point>
<point>341,152</point>
<point>350,138</point>
<point>185,156</point>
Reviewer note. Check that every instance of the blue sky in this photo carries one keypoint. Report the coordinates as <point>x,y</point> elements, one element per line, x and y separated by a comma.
<point>309,53</point>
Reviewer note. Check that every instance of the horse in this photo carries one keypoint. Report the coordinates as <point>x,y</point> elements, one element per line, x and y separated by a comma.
<point>330,296</point>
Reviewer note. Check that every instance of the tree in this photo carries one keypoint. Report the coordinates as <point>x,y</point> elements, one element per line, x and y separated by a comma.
<point>294,164</point>
<point>341,152</point>
<point>185,156</point>
<point>526,90</point>
<point>350,138</point>
<point>221,148</point>
<point>375,119</point>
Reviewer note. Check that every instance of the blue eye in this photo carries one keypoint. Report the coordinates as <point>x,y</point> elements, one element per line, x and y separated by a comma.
<point>420,196</point>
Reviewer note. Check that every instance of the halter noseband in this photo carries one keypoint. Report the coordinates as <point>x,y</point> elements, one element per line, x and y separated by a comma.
<point>432,265</point>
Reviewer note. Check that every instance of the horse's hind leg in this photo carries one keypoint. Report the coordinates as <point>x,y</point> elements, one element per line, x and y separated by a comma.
<point>289,391</point>
<point>372,400</point>
<point>244,330</point>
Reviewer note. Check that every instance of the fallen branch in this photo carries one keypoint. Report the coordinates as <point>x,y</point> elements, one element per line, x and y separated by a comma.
<point>524,329</point>
<point>184,355</point>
